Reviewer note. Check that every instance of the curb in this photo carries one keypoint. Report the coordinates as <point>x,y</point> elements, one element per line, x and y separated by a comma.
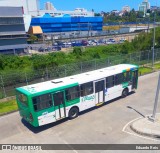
<point>133,128</point>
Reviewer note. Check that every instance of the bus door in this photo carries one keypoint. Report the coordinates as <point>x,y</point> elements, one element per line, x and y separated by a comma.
<point>134,79</point>
<point>99,92</point>
<point>59,105</point>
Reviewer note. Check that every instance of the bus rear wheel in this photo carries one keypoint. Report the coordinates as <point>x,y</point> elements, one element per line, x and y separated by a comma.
<point>73,113</point>
<point>125,92</point>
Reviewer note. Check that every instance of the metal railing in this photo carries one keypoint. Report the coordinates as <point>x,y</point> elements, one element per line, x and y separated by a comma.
<point>12,80</point>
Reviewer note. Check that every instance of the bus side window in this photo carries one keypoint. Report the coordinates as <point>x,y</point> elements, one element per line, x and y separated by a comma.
<point>42,102</point>
<point>86,89</point>
<point>119,78</point>
<point>72,93</point>
<point>110,81</point>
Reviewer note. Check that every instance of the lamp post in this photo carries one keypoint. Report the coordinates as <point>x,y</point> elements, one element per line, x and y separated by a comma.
<point>154,32</point>
<point>153,116</point>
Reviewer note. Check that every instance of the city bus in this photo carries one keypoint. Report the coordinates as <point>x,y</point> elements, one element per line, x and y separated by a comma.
<point>53,100</point>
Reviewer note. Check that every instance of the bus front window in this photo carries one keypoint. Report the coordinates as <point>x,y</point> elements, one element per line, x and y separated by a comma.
<point>22,98</point>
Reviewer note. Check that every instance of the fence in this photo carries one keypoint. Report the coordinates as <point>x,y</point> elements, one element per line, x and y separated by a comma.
<point>8,82</point>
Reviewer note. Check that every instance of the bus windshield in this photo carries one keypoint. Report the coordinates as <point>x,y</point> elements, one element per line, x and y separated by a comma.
<point>22,98</point>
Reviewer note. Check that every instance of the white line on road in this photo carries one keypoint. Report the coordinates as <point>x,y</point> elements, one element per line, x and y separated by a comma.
<point>130,123</point>
<point>124,130</point>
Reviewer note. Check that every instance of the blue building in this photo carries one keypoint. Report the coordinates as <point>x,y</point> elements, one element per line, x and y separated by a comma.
<point>66,23</point>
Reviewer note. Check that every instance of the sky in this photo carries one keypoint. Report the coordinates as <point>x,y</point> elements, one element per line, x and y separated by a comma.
<point>97,5</point>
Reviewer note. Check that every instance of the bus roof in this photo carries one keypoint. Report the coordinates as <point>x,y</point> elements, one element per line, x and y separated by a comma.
<point>75,79</point>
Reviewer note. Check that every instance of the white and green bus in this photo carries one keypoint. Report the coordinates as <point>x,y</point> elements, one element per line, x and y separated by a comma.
<point>50,101</point>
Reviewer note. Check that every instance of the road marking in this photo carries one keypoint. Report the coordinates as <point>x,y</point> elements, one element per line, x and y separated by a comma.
<point>144,137</point>
<point>141,136</point>
<point>69,145</point>
<point>129,123</point>
<point>58,134</point>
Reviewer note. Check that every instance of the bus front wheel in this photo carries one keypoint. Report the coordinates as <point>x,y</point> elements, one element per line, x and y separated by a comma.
<point>125,92</point>
<point>73,113</point>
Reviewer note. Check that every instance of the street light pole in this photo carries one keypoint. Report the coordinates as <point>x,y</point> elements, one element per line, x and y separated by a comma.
<point>154,31</point>
<point>153,116</point>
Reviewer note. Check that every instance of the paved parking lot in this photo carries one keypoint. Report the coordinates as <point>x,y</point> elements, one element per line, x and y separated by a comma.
<point>101,125</point>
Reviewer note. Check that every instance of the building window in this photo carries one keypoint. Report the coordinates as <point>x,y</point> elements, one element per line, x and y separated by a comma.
<point>42,102</point>
<point>11,20</point>
<point>86,89</point>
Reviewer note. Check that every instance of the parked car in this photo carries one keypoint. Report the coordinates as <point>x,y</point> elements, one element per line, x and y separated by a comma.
<point>110,41</point>
<point>122,40</point>
<point>84,42</point>
<point>101,41</point>
<point>76,43</point>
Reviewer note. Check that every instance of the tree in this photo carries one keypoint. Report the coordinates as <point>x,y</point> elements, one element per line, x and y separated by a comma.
<point>77,51</point>
<point>97,14</point>
<point>32,38</point>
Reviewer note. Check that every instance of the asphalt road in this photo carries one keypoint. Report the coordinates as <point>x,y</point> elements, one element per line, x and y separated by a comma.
<point>103,125</point>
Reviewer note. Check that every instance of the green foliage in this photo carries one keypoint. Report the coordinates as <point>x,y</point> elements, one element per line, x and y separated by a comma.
<point>8,106</point>
<point>145,70</point>
<point>131,16</point>
<point>32,38</point>
<point>15,68</point>
<point>77,51</point>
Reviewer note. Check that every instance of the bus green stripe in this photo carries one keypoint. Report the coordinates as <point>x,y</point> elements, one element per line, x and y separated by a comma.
<point>46,91</point>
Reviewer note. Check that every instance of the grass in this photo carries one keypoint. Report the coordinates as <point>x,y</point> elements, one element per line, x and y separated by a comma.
<point>8,106</point>
<point>157,66</point>
<point>145,70</point>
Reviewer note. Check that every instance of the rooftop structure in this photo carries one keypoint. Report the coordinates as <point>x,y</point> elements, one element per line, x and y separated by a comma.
<point>31,7</point>
<point>49,6</point>
<point>28,5</point>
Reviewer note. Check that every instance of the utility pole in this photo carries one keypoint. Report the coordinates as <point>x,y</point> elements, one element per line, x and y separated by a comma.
<point>154,32</point>
<point>153,116</point>
<point>148,23</point>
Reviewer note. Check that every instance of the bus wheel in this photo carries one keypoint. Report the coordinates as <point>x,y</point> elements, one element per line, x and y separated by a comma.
<point>125,92</point>
<point>73,113</point>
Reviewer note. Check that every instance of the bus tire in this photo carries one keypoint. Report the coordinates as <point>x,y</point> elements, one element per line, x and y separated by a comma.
<point>73,113</point>
<point>124,92</point>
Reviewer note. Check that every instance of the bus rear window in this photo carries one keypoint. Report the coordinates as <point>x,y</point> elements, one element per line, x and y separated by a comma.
<point>22,98</point>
